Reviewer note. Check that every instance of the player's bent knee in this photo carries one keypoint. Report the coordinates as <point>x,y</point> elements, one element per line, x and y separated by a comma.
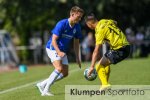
<point>65,70</point>
<point>60,69</point>
<point>104,61</point>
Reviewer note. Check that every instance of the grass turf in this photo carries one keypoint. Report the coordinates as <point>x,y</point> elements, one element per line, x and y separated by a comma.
<point>128,72</point>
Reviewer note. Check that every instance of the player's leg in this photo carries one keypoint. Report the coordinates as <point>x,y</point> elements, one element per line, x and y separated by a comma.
<point>100,67</point>
<point>112,57</point>
<point>57,63</point>
<point>116,56</point>
<point>54,75</point>
<point>62,67</point>
<point>41,85</point>
<point>64,72</point>
<point>107,70</point>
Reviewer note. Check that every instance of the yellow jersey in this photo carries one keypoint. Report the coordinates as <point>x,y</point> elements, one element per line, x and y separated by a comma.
<point>106,30</point>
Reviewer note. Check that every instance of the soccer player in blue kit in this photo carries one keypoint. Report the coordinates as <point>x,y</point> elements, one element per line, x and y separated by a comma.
<point>58,45</point>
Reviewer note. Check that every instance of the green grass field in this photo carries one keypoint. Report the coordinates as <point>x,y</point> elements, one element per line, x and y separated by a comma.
<point>128,72</point>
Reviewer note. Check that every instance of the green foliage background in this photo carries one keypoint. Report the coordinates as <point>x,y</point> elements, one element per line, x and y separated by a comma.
<point>22,17</point>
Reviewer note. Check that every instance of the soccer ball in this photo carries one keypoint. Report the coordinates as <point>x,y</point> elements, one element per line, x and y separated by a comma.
<point>92,76</point>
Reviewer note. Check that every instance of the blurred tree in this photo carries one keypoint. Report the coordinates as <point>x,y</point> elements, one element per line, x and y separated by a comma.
<point>22,17</point>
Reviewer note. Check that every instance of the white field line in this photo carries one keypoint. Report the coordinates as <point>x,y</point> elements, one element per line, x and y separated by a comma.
<point>18,87</point>
<point>26,85</point>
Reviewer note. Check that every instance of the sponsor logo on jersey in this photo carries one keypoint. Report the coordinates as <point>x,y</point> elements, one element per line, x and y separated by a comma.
<point>74,31</point>
<point>67,36</point>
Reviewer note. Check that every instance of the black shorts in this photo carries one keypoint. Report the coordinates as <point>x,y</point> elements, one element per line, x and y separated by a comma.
<point>118,55</point>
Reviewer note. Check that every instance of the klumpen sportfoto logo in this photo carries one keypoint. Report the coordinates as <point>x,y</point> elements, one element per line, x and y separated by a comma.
<point>115,92</point>
<point>107,92</point>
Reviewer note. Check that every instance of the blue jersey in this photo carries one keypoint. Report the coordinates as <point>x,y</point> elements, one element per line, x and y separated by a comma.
<point>65,34</point>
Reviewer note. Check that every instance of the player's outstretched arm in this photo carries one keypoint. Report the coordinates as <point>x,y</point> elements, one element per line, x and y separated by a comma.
<point>76,49</point>
<point>94,58</point>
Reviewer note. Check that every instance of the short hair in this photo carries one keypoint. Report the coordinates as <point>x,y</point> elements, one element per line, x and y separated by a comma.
<point>76,9</point>
<point>90,16</point>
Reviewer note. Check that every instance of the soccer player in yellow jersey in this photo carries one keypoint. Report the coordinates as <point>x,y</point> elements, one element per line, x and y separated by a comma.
<point>107,31</point>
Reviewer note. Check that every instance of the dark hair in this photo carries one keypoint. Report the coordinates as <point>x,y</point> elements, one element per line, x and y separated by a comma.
<point>90,16</point>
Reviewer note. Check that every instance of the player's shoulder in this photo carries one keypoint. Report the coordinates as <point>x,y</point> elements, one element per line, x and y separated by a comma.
<point>60,25</point>
<point>104,22</point>
<point>101,24</point>
<point>107,21</point>
<point>63,21</point>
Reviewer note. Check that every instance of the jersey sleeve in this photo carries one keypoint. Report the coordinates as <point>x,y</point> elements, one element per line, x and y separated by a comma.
<point>78,34</point>
<point>58,29</point>
<point>99,36</point>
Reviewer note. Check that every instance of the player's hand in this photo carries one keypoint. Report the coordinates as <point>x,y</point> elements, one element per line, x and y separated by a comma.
<point>90,71</point>
<point>61,54</point>
<point>79,62</point>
